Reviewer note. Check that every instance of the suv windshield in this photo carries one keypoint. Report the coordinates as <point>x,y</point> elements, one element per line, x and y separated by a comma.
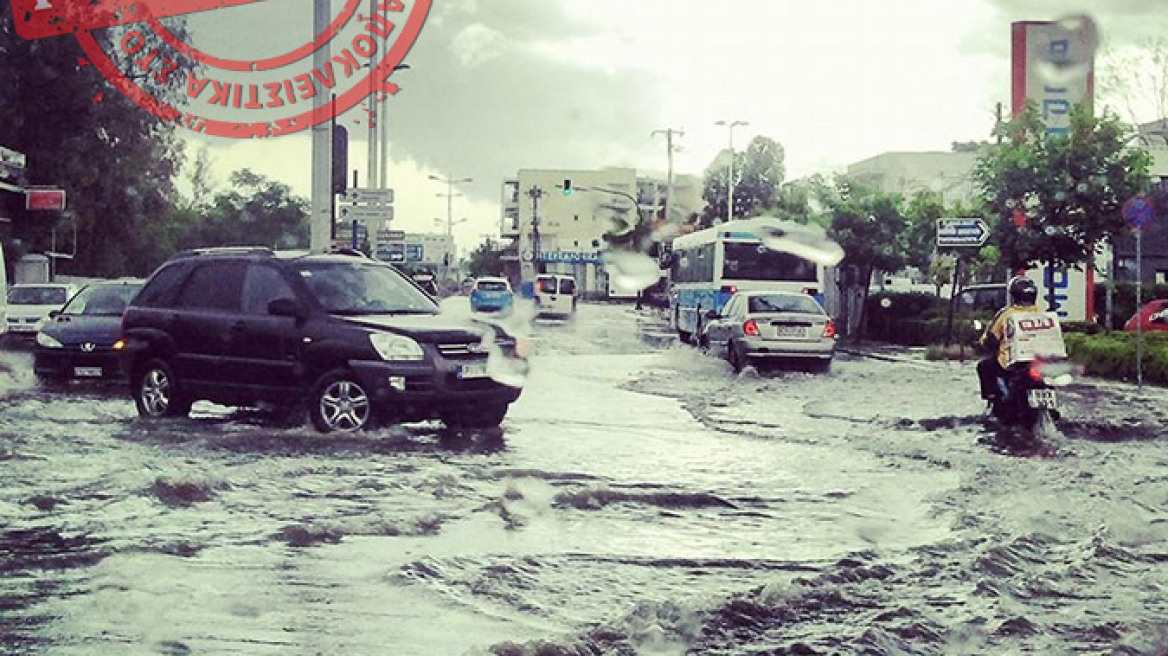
<point>355,288</point>
<point>102,300</point>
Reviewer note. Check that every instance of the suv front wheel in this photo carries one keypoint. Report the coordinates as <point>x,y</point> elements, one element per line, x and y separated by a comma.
<point>339,402</point>
<point>478,416</point>
<point>157,392</point>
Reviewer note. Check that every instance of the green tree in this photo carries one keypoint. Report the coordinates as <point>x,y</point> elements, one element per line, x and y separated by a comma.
<point>115,161</point>
<point>255,211</point>
<point>486,259</point>
<point>758,176</point>
<point>1055,197</point>
<point>870,228</point>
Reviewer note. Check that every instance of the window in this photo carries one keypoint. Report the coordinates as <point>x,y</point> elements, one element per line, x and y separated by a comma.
<point>163,287</point>
<point>567,286</point>
<point>492,286</point>
<point>102,300</point>
<point>263,285</point>
<point>214,286</point>
<point>750,261</point>
<point>784,303</point>
<point>546,285</point>
<point>1162,277</point>
<point>38,296</point>
<point>695,264</point>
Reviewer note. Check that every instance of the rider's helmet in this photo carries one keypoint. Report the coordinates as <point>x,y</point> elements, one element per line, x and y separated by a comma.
<point>1021,291</point>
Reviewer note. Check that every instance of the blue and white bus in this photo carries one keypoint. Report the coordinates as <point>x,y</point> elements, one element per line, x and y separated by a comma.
<point>711,265</point>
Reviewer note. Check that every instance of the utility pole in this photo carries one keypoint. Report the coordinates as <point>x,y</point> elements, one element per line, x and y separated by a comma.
<point>535,193</point>
<point>320,223</point>
<point>730,125</point>
<point>450,181</point>
<point>669,132</point>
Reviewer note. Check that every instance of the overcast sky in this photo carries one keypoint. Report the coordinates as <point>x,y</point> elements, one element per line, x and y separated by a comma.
<point>499,85</point>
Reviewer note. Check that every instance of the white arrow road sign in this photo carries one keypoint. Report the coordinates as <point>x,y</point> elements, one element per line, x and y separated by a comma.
<point>365,213</point>
<point>368,195</point>
<point>962,232</point>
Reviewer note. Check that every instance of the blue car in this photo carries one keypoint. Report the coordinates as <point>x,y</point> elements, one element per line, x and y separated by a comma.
<point>77,340</point>
<point>491,295</point>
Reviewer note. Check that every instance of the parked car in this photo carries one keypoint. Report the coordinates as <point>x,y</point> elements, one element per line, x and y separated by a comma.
<point>29,305</point>
<point>555,295</point>
<point>982,298</point>
<point>1152,317</point>
<point>77,342</point>
<point>491,295</point>
<point>351,337</point>
<point>765,327</point>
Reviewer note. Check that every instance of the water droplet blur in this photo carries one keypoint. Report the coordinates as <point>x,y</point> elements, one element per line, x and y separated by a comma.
<point>807,241</point>
<point>630,271</point>
<point>1080,35</point>
<point>1082,187</point>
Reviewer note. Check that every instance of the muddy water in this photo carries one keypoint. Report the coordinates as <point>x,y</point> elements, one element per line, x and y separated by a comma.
<point>638,499</point>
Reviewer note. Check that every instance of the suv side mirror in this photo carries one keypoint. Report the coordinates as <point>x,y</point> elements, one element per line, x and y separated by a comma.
<point>53,314</point>
<point>285,307</point>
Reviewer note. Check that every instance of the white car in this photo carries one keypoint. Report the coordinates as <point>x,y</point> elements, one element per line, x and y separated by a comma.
<point>29,305</point>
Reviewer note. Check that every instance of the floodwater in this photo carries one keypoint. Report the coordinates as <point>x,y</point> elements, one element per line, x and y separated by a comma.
<point>639,499</point>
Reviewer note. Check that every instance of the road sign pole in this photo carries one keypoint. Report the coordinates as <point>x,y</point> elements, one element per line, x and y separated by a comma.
<point>1139,306</point>
<point>952,297</point>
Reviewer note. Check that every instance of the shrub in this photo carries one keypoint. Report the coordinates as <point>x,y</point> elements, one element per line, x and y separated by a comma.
<point>885,323</point>
<point>1124,302</point>
<point>1114,355</point>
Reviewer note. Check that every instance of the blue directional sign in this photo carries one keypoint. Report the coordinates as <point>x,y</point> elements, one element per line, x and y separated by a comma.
<point>1137,211</point>
<point>962,232</point>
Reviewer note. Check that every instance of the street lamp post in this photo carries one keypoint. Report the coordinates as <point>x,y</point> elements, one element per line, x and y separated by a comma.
<point>730,125</point>
<point>450,181</point>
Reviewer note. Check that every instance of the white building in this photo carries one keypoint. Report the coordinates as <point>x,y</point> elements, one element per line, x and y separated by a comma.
<point>949,174</point>
<point>557,232</point>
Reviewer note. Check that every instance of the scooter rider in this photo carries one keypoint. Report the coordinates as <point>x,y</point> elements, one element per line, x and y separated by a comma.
<point>1021,296</point>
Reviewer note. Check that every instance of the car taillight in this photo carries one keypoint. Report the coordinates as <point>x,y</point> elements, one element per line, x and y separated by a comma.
<point>750,328</point>
<point>829,329</point>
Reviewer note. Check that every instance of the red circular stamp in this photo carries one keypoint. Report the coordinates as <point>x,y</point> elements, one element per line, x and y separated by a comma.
<point>316,79</point>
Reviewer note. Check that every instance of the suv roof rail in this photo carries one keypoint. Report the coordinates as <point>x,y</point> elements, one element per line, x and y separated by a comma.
<point>224,250</point>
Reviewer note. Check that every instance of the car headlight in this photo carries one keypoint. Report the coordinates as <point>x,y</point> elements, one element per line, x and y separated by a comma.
<point>47,341</point>
<point>395,347</point>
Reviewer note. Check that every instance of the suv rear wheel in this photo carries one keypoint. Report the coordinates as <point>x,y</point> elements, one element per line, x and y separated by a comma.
<point>157,392</point>
<point>339,402</point>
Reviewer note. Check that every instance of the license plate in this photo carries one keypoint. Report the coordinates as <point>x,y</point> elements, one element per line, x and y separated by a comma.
<point>790,331</point>
<point>1044,399</point>
<point>473,370</point>
<point>87,372</point>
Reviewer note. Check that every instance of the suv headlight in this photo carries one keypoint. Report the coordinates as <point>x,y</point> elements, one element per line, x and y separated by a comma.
<point>47,341</point>
<point>395,347</point>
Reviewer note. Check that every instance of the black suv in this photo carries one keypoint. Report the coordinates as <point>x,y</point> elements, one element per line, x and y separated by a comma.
<point>355,338</point>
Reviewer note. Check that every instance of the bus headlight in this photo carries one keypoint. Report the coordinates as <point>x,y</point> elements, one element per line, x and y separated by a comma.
<point>395,347</point>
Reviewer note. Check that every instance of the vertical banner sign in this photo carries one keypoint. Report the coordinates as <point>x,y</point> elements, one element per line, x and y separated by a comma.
<point>1036,48</point>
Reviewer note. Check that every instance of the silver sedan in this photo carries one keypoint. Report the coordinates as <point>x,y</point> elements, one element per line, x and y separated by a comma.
<point>757,327</point>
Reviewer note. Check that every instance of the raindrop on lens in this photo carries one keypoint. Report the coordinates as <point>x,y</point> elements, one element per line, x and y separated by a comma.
<point>1080,35</point>
<point>808,242</point>
<point>1082,187</point>
<point>631,272</point>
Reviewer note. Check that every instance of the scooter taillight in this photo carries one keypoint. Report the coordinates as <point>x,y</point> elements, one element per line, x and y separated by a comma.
<point>1035,372</point>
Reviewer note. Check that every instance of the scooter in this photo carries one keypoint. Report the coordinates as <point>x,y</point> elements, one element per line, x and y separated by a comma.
<point>1026,399</point>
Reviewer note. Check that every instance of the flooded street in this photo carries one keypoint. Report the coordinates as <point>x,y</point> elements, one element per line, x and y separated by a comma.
<point>638,499</point>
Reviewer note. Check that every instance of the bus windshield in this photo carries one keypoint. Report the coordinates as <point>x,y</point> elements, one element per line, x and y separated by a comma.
<point>753,261</point>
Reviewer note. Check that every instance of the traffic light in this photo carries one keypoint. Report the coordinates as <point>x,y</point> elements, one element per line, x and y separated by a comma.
<point>340,159</point>
<point>567,187</point>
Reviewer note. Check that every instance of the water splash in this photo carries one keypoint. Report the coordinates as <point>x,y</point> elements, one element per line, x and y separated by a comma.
<point>1080,34</point>
<point>807,241</point>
